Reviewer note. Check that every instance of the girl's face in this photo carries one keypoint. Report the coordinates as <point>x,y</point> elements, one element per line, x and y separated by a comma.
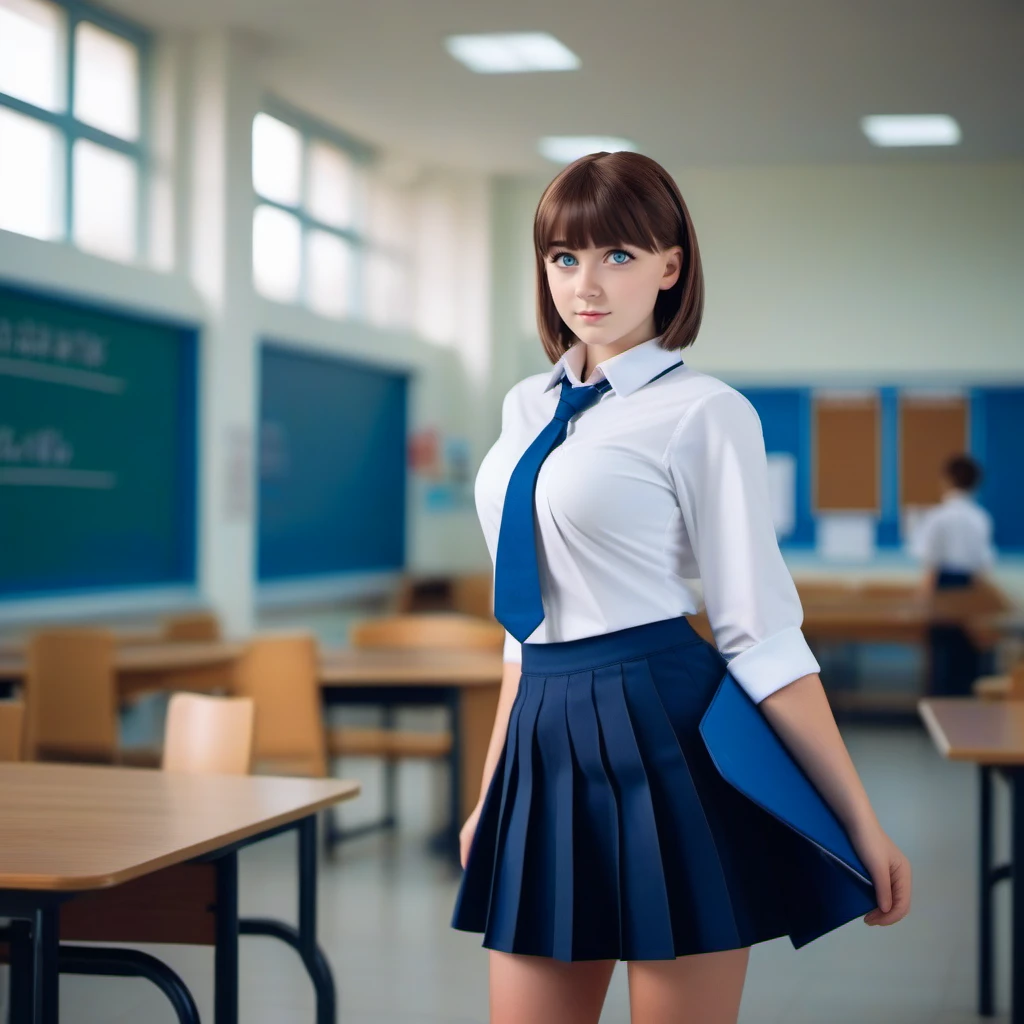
<point>620,284</point>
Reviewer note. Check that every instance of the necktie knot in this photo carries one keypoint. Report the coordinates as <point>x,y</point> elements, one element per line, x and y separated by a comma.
<point>575,400</point>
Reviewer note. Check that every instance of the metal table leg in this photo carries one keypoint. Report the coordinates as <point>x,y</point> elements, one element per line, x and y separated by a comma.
<point>1016,776</point>
<point>46,965</point>
<point>303,938</point>
<point>985,893</point>
<point>225,958</point>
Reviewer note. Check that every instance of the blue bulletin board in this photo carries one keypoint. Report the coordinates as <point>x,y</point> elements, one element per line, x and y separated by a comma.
<point>97,448</point>
<point>332,490</point>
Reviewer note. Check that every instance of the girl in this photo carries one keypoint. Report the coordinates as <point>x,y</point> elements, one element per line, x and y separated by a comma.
<point>621,482</point>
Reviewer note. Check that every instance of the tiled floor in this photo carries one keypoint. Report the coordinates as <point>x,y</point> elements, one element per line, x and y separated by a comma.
<point>385,906</point>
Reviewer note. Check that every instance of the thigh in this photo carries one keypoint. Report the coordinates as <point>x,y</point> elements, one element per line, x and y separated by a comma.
<point>540,990</point>
<point>701,989</point>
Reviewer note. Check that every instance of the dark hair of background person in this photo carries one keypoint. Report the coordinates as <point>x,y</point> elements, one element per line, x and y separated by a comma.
<point>964,472</point>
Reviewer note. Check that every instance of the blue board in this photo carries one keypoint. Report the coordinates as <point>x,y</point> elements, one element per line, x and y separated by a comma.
<point>332,490</point>
<point>97,448</point>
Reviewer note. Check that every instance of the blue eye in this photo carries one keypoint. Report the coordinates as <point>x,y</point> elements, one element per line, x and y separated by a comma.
<point>625,257</point>
<point>565,255</point>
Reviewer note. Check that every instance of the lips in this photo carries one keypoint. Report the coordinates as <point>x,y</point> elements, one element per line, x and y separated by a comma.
<point>591,316</point>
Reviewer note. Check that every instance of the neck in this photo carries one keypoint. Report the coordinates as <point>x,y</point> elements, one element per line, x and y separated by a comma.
<point>594,354</point>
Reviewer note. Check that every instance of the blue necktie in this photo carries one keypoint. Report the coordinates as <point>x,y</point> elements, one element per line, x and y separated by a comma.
<point>517,601</point>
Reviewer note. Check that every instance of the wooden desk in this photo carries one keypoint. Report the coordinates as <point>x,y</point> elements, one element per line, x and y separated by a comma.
<point>990,734</point>
<point>153,667</point>
<point>91,834</point>
<point>466,683</point>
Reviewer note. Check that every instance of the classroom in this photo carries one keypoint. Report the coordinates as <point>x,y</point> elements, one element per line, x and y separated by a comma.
<point>280,298</point>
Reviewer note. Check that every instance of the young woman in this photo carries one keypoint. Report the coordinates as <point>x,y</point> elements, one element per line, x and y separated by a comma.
<point>624,490</point>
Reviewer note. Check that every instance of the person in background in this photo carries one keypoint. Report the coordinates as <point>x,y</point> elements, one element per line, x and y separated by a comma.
<point>954,542</point>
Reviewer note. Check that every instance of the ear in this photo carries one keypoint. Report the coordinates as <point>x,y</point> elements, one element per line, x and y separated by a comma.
<point>673,266</point>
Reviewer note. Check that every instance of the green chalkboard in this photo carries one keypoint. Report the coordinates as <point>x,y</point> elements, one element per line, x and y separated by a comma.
<point>97,448</point>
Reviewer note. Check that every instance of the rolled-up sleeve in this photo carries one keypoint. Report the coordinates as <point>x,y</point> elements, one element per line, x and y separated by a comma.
<point>717,462</point>
<point>513,648</point>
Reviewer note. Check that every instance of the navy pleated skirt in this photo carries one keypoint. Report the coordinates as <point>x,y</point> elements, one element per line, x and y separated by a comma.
<point>607,833</point>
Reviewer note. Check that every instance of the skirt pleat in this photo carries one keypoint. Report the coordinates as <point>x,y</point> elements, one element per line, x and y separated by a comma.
<point>607,833</point>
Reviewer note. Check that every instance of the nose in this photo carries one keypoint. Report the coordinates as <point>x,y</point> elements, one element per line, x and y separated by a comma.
<point>586,282</point>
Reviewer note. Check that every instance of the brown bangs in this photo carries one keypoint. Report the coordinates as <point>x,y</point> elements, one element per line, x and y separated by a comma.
<point>608,199</point>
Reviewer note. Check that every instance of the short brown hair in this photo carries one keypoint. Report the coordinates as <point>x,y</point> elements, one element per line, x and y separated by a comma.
<point>619,199</point>
<point>963,471</point>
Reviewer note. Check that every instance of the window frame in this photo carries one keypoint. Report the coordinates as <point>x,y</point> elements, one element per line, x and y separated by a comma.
<point>310,129</point>
<point>72,129</point>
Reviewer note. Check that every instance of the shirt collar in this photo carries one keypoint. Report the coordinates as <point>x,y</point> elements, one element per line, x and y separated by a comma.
<point>627,372</point>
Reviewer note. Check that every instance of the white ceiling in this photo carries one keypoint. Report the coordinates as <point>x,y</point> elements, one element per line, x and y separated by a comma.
<point>692,82</point>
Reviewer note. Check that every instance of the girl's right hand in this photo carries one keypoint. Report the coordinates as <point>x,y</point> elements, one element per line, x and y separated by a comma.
<point>466,835</point>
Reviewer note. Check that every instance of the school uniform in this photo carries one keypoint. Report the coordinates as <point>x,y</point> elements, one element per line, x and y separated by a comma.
<point>606,831</point>
<point>955,540</point>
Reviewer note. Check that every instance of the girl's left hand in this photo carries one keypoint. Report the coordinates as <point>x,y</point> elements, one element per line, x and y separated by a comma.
<point>890,872</point>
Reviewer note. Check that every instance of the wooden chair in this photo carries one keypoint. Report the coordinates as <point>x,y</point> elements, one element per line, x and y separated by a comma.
<point>473,594</point>
<point>191,627</point>
<point>280,674</point>
<point>12,717</point>
<point>70,696</point>
<point>208,734</point>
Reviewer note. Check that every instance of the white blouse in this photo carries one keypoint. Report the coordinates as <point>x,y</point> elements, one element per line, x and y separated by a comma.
<point>655,491</point>
<point>956,535</point>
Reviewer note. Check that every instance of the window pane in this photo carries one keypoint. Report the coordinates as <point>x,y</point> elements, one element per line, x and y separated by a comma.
<point>329,267</point>
<point>391,216</point>
<point>388,291</point>
<point>32,52</point>
<point>106,194</point>
<point>276,160</point>
<point>106,81</point>
<point>276,252</point>
<point>331,184</point>
<point>31,176</point>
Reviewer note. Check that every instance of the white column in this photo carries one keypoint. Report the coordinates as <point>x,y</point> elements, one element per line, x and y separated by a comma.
<point>224,99</point>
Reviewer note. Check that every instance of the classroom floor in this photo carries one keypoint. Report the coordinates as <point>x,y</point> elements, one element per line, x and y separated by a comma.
<point>385,906</point>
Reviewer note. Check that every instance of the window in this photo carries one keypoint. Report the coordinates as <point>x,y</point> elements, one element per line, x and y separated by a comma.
<point>389,263</point>
<point>308,246</point>
<point>72,132</point>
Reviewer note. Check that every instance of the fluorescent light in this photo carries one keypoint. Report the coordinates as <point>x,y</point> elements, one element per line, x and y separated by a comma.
<point>911,130</point>
<point>563,149</point>
<point>495,53</point>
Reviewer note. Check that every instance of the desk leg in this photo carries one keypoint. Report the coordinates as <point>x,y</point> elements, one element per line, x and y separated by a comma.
<point>1017,939</point>
<point>303,939</point>
<point>986,894</point>
<point>46,961</point>
<point>21,974</point>
<point>225,957</point>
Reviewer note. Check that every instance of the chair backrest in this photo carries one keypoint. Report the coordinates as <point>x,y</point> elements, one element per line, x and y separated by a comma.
<point>280,673</point>
<point>208,735</point>
<point>192,626</point>
<point>70,698</point>
<point>12,717</point>
<point>473,594</point>
<point>440,630</point>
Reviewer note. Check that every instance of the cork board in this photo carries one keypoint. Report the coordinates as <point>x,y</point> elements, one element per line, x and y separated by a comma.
<point>931,430</point>
<point>846,455</point>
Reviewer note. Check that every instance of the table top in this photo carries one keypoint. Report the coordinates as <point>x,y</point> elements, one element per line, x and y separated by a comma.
<point>145,658</point>
<point>971,729</point>
<point>374,666</point>
<point>74,828</point>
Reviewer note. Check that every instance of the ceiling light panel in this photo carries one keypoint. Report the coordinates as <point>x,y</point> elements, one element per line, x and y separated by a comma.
<point>911,130</point>
<point>500,53</point>
<point>563,149</point>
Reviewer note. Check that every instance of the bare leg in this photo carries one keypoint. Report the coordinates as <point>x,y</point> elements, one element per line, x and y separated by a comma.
<point>539,990</point>
<point>700,989</point>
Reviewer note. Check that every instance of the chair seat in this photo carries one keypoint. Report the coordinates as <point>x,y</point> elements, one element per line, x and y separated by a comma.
<point>390,743</point>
